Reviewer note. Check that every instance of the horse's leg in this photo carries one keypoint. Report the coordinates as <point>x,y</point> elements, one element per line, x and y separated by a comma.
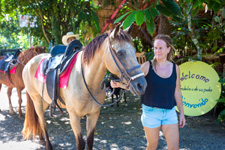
<point>9,93</point>
<point>112,99</point>
<point>39,107</point>
<point>75,124</point>
<point>19,101</point>
<point>90,127</point>
<point>34,122</point>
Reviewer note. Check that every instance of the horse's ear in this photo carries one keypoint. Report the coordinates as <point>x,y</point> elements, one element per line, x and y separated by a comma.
<point>129,29</point>
<point>115,32</point>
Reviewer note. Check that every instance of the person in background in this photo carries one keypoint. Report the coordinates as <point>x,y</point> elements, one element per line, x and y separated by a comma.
<point>162,94</point>
<point>70,36</point>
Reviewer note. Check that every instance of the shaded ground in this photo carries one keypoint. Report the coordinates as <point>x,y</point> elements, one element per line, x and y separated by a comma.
<point>118,128</point>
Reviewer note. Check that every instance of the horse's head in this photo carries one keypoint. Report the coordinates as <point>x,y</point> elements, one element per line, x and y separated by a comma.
<point>40,49</point>
<point>26,55</point>
<point>120,60</point>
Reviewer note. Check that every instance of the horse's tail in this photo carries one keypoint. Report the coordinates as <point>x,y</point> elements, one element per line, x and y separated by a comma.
<point>31,125</point>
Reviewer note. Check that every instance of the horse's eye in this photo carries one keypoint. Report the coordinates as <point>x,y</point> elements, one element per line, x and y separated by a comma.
<point>121,53</point>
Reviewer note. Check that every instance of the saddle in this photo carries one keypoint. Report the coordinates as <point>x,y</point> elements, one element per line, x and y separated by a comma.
<point>61,57</point>
<point>7,63</point>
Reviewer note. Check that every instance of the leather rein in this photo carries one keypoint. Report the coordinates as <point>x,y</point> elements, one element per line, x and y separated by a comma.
<point>123,72</point>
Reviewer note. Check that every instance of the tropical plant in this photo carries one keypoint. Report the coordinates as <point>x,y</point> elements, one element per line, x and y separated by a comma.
<point>54,18</point>
<point>146,16</point>
<point>220,107</point>
<point>191,10</point>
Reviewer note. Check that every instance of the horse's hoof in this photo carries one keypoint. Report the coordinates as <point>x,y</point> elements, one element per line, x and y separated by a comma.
<point>12,112</point>
<point>42,142</point>
<point>21,116</point>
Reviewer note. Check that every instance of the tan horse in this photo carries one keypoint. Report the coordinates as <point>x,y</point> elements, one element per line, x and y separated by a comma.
<point>17,81</point>
<point>94,60</point>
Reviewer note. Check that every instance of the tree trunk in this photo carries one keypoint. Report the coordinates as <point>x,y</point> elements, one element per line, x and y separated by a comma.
<point>38,11</point>
<point>164,25</point>
<point>55,28</point>
<point>194,38</point>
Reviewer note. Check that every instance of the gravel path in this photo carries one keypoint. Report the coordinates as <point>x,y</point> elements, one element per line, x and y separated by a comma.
<point>118,128</point>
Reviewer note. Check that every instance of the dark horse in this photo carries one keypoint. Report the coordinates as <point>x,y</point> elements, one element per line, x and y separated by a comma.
<point>91,66</point>
<point>16,80</point>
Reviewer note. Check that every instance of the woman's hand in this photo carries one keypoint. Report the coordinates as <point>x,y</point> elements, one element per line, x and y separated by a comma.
<point>115,84</point>
<point>182,121</point>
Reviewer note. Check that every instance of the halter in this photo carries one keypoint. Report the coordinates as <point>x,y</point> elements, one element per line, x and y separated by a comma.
<point>123,71</point>
<point>20,61</point>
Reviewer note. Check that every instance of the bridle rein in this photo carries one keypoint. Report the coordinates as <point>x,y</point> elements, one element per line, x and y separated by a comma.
<point>123,72</point>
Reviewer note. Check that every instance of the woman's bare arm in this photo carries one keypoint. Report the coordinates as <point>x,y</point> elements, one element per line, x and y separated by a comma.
<point>178,98</point>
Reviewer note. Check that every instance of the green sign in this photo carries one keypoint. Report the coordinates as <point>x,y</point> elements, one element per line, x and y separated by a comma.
<point>199,86</point>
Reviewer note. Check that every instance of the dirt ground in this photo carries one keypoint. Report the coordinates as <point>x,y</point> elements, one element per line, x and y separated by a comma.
<point>118,128</point>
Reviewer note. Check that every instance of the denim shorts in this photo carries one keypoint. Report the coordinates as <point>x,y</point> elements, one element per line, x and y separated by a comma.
<point>153,117</point>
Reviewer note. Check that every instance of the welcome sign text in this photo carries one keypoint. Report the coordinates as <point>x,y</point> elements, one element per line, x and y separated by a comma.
<point>190,75</point>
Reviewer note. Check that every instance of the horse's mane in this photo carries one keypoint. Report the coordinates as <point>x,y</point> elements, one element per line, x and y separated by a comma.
<point>94,45</point>
<point>26,55</point>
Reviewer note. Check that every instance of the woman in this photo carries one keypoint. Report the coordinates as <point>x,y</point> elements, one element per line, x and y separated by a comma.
<point>162,94</point>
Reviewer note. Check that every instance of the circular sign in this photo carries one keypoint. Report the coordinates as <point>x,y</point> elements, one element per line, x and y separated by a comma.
<point>199,86</point>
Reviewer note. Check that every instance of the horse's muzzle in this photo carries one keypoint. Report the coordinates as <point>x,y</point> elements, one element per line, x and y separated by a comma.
<point>138,86</point>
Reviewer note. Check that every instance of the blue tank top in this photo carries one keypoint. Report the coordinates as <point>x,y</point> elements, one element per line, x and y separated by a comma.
<point>160,91</point>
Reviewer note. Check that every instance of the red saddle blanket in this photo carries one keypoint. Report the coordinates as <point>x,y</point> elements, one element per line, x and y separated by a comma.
<point>64,77</point>
<point>12,71</point>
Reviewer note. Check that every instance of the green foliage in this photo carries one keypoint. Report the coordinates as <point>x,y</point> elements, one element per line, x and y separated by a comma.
<point>221,102</point>
<point>208,29</point>
<point>149,55</point>
<point>139,17</point>
<point>171,9</point>
<point>95,20</point>
<point>168,8</point>
<point>150,26</point>
<point>54,18</point>
<point>121,17</point>
<point>220,106</point>
<point>221,116</point>
<point>164,10</point>
<point>129,20</point>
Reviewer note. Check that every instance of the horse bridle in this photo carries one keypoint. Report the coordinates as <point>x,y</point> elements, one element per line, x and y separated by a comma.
<point>123,71</point>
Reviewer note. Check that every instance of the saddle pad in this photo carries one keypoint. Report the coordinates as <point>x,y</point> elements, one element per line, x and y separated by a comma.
<point>64,77</point>
<point>12,71</point>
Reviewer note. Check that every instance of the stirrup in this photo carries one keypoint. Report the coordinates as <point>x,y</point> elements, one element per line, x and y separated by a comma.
<point>54,105</point>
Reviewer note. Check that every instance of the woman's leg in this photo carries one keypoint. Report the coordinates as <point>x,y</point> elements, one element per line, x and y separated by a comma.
<point>171,133</point>
<point>152,136</point>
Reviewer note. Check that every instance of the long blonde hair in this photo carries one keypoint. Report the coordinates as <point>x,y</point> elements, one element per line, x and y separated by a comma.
<point>169,43</point>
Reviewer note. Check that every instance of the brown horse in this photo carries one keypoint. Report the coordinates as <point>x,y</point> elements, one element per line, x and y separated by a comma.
<point>85,78</point>
<point>17,81</point>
